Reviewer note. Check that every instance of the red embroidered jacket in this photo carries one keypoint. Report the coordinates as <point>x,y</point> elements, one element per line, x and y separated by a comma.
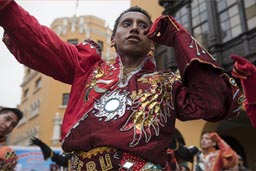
<point>137,114</point>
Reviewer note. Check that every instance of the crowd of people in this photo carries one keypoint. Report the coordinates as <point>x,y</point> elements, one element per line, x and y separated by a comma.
<point>130,98</point>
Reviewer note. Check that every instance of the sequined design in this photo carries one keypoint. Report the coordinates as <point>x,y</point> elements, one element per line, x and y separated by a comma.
<point>151,107</point>
<point>132,162</point>
<point>101,75</point>
<point>112,105</point>
<point>93,45</point>
<point>76,164</point>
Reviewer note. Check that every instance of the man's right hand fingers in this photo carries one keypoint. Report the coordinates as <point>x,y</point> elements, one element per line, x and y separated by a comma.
<point>238,59</point>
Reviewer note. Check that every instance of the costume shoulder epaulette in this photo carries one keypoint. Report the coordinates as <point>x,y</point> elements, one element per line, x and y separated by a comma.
<point>93,44</point>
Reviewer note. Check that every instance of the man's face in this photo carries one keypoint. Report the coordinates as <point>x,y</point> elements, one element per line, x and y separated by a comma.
<point>129,39</point>
<point>8,121</point>
<point>207,142</point>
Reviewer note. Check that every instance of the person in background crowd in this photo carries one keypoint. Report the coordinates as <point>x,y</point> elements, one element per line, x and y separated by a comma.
<point>246,72</point>
<point>181,155</point>
<point>9,118</point>
<point>60,159</point>
<point>215,154</point>
<point>121,115</point>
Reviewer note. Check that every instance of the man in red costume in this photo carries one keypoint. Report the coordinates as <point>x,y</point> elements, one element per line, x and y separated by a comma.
<point>212,159</point>
<point>122,115</point>
<point>246,72</point>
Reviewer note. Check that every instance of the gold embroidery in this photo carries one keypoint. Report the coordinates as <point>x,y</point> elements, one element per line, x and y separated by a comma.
<point>91,166</point>
<point>101,75</point>
<point>94,152</point>
<point>104,160</point>
<point>152,106</point>
<point>77,164</point>
<point>107,165</point>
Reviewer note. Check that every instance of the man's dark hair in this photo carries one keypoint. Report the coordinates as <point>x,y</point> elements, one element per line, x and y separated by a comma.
<point>131,9</point>
<point>16,111</point>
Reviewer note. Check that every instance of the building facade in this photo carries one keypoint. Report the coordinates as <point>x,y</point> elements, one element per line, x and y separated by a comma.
<point>224,27</point>
<point>44,99</point>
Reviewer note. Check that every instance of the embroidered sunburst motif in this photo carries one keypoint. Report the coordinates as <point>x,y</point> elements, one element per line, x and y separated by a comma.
<point>112,105</point>
<point>151,108</point>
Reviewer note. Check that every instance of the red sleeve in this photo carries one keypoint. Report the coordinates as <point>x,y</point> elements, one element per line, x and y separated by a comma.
<point>39,48</point>
<point>207,94</point>
<point>251,112</point>
<point>227,155</point>
<point>248,86</point>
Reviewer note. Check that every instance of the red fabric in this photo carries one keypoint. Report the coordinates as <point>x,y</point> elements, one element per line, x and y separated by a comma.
<point>251,112</point>
<point>248,86</point>
<point>246,72</point>
<point>166,30</point>
<point>228,157</point>
<point>163,30</point>
<point>4,3</point>
<point>242,67</point>
<point>153,99</point>
<point>138,162</point>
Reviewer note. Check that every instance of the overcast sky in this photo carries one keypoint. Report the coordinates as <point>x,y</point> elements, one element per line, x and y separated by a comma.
<point>11,72</point>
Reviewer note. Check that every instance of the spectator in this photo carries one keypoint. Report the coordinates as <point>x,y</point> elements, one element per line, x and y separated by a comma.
<point>9,118</point>
<point>215,154</point>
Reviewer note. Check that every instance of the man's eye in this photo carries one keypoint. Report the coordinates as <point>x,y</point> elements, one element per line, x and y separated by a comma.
<point>7,118</point>
<point>143,26</point>
<point>126,24</point>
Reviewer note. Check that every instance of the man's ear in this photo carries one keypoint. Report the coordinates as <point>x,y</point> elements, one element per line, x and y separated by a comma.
<point>113,43</point>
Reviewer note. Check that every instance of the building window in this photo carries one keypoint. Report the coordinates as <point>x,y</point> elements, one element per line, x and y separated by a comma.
<point>73,41</point>
<point>24,118</point>
<point>200,21</point>
<point>65,98</point>
<point>229,18</point>
<point>25,93</point>
<point>38,83</point>
<point>34,108</point>
<point>182,17</point>
<point>250,10</point>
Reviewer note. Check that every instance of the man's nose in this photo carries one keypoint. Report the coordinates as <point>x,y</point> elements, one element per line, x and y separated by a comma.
<point>135,28</point>
<point>7,124</point>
